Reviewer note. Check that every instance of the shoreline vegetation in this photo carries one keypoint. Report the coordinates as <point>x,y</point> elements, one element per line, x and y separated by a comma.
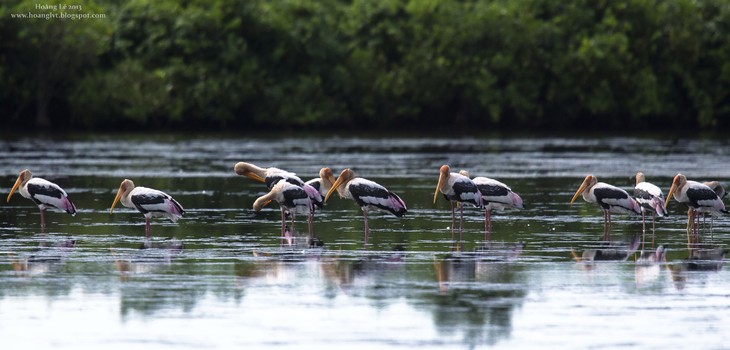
<point>419,65</point>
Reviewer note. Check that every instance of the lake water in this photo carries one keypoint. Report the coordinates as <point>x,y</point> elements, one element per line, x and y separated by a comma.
<point>222,277</point>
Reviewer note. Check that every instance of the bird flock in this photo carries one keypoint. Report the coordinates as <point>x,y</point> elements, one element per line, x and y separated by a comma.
<point>698,197</point>
<point>296,197</point>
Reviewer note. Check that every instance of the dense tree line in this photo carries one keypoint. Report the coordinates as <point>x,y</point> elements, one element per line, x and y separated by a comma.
<point>479,65</point>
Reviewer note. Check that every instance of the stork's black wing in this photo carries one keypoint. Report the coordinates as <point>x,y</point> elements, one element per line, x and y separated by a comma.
<point>377,196</point>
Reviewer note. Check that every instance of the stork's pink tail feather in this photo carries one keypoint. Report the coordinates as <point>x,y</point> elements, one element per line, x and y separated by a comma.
<point>397,205</point>
<point>68,206</point>
<point>516,200</point>
<point>658,206</point>
<point>175,209</point>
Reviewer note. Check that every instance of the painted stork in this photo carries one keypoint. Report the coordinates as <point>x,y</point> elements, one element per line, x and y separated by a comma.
<point>147,201</point>
<point>270,176</point>
<point>43,193</point>
<point>291,198</point>
<point>720,191</point>
<point>698,197</point>
<point>495,195</point>
<point>367,194</point>
<point>324,182</point>
<point>610,198</point>
<point>457,188</point>
<point>651,198</point>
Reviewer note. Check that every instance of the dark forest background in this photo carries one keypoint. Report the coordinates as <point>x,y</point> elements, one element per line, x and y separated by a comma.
<point>375,64</point>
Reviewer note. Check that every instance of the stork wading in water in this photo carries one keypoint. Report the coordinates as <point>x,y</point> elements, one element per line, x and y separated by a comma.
<point>495,195</point>
<point>147,201</point>
<point>698,197</point>
<point>610,198</point>
<point>651,198</point>
<point>367,194</point>
<point>270,176</point>
<point>43,193</point>
<point>720,191</point>
<point>457,188</point>
<point>291,198</point>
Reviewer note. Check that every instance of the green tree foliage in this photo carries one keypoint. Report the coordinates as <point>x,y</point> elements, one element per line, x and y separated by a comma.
<point>43,58</point>
<point>478,65</point>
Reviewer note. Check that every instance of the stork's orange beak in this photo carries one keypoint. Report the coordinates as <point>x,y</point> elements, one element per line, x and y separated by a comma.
<point>255,177</point>
<point>335,185</point>
<point>671,192</point>
<point>257,205</point>
<point>15,187</point>
<point>442,178</point>
<point>581,189</point>
<point>443,174</point>
<point>116,199</point>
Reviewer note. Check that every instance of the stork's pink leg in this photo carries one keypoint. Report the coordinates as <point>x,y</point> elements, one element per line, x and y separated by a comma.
<point>490,223</point>
<point>367,228</point>
<point>461,219</point>
<point>690,228</point>
<point>607,236</point>
<point>283,224</point>
<point>147,227</point>
<point>643,229</point>
<point>487,225</point>
<point>697,229</point>
<point>43,222</point>
<point>694,227</point>
<point>310,221</point>
<point>610,226</point>
<point>461,225</point>
<point>698,225</point>
<point>453,219</point>
<point>653,215</point>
